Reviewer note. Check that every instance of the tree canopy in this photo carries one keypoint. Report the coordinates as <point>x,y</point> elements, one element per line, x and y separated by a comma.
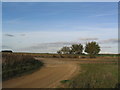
<point>76,49</point>
<point>92,48</point>
<point>64,50</point>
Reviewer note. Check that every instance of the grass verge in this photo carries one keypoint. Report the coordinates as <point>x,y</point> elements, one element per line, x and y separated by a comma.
<point>96,76</point>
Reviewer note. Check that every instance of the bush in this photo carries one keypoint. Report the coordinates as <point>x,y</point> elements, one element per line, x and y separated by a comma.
<point>14,65</point>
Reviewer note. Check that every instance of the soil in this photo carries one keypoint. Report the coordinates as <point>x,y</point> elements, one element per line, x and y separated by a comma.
<point>49,76</point>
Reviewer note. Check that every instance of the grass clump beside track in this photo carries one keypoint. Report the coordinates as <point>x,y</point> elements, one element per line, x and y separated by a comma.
<point>16,65</point>
<point>96,76</point>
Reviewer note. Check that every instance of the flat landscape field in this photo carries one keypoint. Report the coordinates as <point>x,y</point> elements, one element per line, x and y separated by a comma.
<point>100,72</point>
<point>60,44</point>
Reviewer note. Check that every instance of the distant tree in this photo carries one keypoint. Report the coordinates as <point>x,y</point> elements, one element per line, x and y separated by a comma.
<point>76,49</point>
<point>59,52</point>
<point>65,50</point>
<point>92,48</point>
<point>7,51</point>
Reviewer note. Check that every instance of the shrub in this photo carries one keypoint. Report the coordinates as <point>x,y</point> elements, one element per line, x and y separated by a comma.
<point>14,65</point>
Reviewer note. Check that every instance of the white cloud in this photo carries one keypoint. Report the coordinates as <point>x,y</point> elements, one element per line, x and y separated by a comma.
<point>53,47</point>
<point>51,41</point>
<point>111,40</point>
<point>106,47</point>
<point>9,35</point>
<point>87,39</point>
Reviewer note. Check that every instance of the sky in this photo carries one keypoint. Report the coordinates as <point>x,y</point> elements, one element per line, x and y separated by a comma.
<point>45,27</point>
<point>60,0</point>
<point>0,25</point>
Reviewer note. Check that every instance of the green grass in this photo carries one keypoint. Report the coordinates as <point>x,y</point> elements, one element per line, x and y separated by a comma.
<point>96,76</point>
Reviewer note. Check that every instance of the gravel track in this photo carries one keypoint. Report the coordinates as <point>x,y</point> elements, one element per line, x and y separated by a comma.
<point>49,76</point>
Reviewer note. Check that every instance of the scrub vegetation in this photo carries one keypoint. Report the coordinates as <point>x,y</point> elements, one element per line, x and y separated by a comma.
<point>16,65</point>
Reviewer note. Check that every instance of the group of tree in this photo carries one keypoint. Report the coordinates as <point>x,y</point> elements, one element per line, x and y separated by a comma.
<point>91,48</point>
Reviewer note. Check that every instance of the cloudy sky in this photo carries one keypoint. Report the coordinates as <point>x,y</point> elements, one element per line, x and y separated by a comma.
<point>60,0</point>
<point>45,27</point>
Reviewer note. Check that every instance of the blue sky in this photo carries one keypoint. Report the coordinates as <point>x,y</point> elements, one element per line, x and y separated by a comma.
<point>48,26</point>
<point>0,26</point>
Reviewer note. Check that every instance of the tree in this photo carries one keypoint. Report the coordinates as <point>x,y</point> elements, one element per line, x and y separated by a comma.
<point>59,52</point>
<point>77,49</point>
<point>65,50</point>
<point>7,51</point>
<point>92,48</point>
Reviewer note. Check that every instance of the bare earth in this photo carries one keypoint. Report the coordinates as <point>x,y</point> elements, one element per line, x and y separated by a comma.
<point>49,76</point>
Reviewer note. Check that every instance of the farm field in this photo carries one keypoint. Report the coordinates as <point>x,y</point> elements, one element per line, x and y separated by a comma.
<point>95,76</point>
<point>60,44</point>
<point>47,77</point>
<point>70,73</point>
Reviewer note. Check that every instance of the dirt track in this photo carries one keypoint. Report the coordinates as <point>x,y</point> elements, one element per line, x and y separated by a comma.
<point>48,76</point>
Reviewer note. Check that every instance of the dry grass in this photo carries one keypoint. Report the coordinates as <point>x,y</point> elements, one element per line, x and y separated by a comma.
<point>96,75</point>
<point>14,65</point>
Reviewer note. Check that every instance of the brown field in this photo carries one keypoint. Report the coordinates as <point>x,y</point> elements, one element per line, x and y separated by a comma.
<point>48,76</point>
<point>54,70</point>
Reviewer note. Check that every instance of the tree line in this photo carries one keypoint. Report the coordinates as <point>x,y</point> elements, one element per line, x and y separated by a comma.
<point>91,48</point>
